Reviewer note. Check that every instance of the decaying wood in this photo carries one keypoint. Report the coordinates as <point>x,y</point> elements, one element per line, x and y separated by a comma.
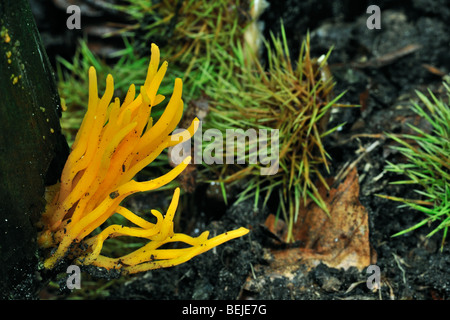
<point>32,149</point>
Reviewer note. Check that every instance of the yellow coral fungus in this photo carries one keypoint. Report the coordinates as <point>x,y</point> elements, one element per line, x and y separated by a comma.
<point>115,141</point>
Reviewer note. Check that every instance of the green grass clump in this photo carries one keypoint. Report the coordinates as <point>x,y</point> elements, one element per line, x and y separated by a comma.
<point>188,32</point>
<point>294,97</point>
<point>428,164</point>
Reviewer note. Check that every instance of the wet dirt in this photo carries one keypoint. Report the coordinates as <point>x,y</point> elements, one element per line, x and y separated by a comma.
<point>379,69</point>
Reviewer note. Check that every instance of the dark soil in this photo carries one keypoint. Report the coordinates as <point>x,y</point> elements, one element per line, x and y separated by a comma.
<point>380,76</point>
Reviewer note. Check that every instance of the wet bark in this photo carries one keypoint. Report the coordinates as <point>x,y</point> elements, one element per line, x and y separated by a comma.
<point>32,148</point>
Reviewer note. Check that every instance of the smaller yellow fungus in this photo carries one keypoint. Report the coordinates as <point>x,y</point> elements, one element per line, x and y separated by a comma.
<point>63,104</point>
<point>115,141</point>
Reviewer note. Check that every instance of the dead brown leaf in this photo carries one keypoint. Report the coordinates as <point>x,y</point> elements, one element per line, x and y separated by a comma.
<point>339,241</point>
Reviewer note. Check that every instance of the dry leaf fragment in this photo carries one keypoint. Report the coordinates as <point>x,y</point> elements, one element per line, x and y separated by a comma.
<point>339,241</point>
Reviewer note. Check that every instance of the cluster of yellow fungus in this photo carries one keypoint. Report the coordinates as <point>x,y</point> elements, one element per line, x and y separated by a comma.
<point>115,141</point>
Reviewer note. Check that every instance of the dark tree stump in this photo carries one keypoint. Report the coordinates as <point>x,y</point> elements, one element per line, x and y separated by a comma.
<point>32,148</point>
